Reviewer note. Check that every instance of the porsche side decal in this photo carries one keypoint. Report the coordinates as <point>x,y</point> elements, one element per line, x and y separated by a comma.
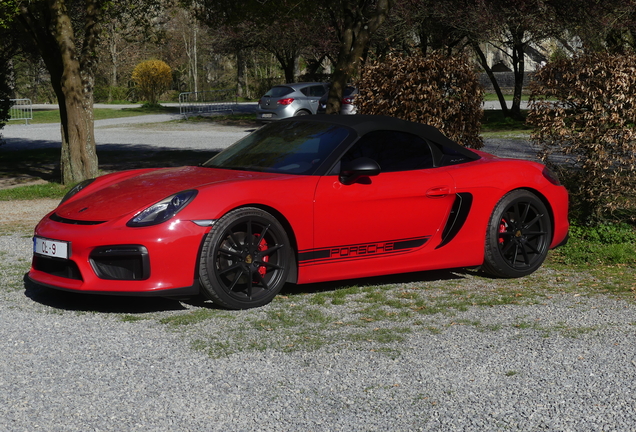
<point>359,251</point>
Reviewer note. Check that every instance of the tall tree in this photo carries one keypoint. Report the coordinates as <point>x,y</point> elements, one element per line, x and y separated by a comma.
<point>285,28</point>
<point>66,34</point>
<point>236,28</point>
<point>70,62</point>
<point>7,49</point>
<point>510,26</point>
<point>608,25</point>
<point>355,21</point>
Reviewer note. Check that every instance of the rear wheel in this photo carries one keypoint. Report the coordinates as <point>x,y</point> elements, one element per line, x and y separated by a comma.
<point>301,113</point>
<point>519,235</point>
<point>245,259</point>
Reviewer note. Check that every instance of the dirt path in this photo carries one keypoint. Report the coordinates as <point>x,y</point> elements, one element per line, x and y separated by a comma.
<point>24,213</point>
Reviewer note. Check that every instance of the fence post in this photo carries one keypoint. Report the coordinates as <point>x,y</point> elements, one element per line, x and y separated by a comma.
<point>21,109</point>
<point>205,102</point>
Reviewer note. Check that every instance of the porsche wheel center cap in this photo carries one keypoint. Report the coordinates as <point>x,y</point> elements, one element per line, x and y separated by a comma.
<point>248,259</point>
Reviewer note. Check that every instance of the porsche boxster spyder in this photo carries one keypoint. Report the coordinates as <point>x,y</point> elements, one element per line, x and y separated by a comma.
<point>303,200</point>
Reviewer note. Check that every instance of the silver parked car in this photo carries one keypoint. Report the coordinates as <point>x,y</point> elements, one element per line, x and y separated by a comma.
<point>347,105</point>
<point>288,100</point>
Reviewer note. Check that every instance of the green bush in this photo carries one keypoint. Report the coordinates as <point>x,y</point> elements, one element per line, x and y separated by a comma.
<point>583,113</point>
<point>603,244</point>
<point>438,90</point>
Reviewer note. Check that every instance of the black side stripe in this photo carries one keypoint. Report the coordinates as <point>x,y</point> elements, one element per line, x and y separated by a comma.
<point>360,251</point>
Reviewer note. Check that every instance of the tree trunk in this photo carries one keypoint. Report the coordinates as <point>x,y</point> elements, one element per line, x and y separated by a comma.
<point>518,64</point>
<point>241,86</point>
<point>79,156</point>
<point>289,63</point>
<point>355,38</point>
<point>484,64</point>
<point>52,31</point>
<point>112,50</point>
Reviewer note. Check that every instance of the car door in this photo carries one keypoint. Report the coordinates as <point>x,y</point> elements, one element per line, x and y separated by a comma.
<point>313,94</point>
<point>397,212</point>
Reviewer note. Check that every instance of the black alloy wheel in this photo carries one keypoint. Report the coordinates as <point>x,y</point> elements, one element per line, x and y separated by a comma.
<point>245,259</point>
<point>518,236</point>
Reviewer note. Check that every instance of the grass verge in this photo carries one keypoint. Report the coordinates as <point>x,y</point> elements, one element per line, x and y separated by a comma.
<point>53,115</point>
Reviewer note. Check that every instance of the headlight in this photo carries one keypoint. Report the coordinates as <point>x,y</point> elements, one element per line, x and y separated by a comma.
<point>75,189</point>
<point>163,210</point>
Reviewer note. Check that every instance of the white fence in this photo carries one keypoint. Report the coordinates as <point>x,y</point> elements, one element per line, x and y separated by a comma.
<point>206,102</point>
<point>21,109</point>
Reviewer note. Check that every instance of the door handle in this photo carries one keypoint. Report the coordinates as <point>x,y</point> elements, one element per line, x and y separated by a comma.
<point>438,192</point>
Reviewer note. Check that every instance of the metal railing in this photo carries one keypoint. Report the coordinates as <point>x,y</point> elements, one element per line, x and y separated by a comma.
<point>206,102</point>
<point>21,109</point>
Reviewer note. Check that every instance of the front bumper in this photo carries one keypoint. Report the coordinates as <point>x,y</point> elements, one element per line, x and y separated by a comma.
<point>115,259</point>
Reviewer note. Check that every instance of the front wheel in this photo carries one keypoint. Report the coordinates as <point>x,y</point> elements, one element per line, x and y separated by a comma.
<point>245,259</point>
<point>518,236</point>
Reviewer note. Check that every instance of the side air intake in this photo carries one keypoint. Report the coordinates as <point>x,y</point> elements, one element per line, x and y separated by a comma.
<point>458,215</point>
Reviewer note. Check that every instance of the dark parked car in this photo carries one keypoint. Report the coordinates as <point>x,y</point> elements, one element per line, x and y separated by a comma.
<point>289,100</point>
<point>347,104</point>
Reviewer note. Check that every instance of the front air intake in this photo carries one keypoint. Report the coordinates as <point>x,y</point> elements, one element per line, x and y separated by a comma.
<point>122,262</point>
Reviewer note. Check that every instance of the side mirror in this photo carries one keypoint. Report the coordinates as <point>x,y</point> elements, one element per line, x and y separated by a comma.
<point>351,172</point>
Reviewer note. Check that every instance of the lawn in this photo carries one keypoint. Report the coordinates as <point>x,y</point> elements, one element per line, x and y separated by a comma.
<point>52,115</point>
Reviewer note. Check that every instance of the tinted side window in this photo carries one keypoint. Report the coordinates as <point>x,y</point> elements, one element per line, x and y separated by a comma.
<point>393,151</point>
<point>314,91</point>
<point>317,90</point>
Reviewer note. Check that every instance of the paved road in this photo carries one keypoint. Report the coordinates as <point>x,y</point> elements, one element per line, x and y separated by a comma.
<point>147,130</point>
<point>159,131</point>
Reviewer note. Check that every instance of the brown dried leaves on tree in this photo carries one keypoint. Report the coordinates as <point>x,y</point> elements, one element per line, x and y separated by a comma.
<point>583,111</point>
<point>437,90</point>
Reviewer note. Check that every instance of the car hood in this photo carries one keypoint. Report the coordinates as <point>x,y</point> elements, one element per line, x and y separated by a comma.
<point>133,194</point>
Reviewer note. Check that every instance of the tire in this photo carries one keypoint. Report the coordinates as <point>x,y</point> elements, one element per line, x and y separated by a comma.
<point>518,237</point>
<point>245,259</point>
<point>301,113</point>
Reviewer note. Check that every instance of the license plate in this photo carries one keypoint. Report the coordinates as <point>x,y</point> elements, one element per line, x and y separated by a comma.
<point>52,248</point>
<point>266,115</point>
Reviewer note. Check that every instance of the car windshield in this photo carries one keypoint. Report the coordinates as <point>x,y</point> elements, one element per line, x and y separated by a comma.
<point>290,147</point>
<point>279,91</point>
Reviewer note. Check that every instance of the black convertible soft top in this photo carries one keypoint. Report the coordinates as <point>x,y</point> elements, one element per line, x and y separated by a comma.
<point>363,124</point>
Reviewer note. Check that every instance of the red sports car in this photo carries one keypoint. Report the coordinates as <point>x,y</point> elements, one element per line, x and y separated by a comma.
<point>303,200</point>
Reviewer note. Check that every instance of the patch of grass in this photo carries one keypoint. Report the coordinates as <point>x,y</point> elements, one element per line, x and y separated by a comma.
<point>132,318</point>
<point>12,274</point>
<point>494,120</point>
<point>226,120</point>
<point>508,97</point>
<point>53,115</point>
<point>380,335</point>
<point>37,191</point>
<point>193,317</point>
<point>606,244</point>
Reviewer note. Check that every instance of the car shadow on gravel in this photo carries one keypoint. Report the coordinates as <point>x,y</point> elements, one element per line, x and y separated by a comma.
<point>396,279</point>
<point>82,302</point>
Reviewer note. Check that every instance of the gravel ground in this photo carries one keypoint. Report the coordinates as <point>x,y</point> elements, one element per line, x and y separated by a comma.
<point>79,363</point>
<point>566,362</point>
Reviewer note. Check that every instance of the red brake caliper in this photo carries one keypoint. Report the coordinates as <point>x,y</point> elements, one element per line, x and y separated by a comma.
<point>503,227</point>
<point>262,247</point>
